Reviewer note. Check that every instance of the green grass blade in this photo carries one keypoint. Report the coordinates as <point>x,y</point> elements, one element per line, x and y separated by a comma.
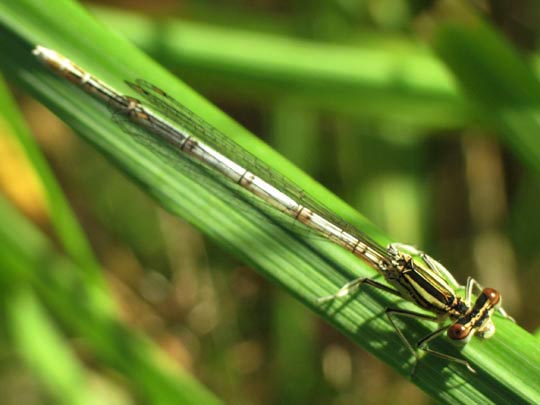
<point>49,356</point>
<point>500,82</point>
<point>307,269</point>
<point>27,260</point>
<point>403,81</point>
<point>67,229</point>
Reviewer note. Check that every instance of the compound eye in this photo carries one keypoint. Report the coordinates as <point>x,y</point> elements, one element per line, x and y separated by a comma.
<point>492,295</point>
<point>458,332</point>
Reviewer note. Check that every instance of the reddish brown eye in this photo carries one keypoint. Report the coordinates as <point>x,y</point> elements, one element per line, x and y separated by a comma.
<point>492,295</point>
<point>458,332</point>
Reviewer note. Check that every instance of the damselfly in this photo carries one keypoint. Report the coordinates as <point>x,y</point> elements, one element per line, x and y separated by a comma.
<point>411,274</point>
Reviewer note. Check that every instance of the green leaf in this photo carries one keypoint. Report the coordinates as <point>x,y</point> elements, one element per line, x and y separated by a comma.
<point>307,269</point>
<point>401,81</point>
<point>48,355</point>
<point>500,82</point>
<point>67,229</point>
<point>24,255</point>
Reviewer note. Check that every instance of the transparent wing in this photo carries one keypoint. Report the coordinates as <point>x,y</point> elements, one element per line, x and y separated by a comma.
<point>180,115</point>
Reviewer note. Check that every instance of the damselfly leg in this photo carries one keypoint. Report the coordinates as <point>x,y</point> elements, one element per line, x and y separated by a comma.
<point>422,343</point>
<point>354,285</point>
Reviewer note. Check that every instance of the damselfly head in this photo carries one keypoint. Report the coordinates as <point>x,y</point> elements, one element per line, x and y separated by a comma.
<point>460,333</point>
<point>477,320</point>
<point>487,329</point>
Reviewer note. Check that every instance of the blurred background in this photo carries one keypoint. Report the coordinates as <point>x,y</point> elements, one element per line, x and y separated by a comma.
<point>406,147</point>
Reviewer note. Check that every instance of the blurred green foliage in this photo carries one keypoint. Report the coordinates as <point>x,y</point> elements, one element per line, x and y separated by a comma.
<point>421,115</point>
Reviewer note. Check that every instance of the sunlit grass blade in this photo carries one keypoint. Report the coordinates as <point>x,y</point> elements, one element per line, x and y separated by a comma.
<point>45,191</point>
<point>28,261</point>
<point>47,353</point>
<point>500,82</point>
<point>402,81</point>
<point>307,269</point>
